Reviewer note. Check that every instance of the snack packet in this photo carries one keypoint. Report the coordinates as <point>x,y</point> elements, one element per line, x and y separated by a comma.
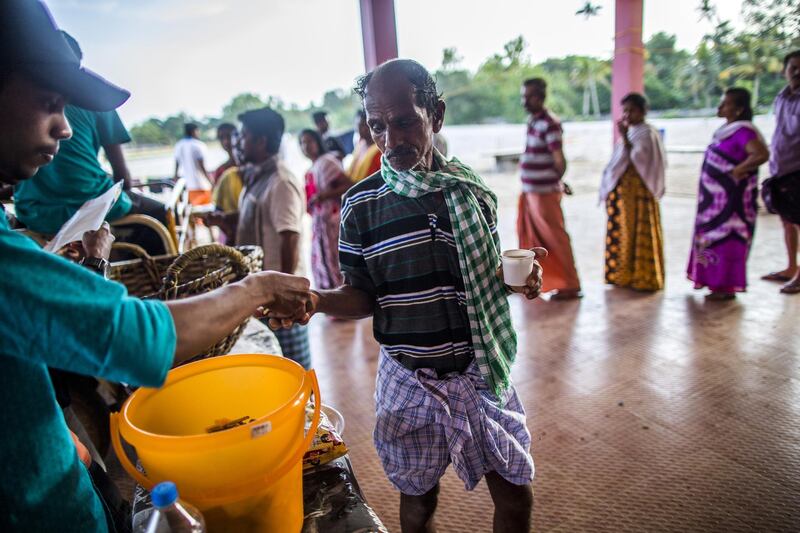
<point>327,444</point>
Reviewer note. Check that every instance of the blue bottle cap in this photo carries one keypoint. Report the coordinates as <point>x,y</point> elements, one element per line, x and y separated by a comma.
<point>164,494</point>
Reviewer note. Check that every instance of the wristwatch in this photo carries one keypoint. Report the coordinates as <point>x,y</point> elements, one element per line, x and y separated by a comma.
<point>98,264</point>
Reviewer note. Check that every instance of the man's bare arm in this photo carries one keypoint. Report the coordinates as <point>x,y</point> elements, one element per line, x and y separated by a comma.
<point>201,165</point>
<point>119,168</point>
<point>200,321</point>
<point>290,251</point>
<point>559,162</point>
<point>344,302</point>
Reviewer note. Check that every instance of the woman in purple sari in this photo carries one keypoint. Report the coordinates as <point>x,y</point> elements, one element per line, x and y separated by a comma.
<point>325,184</point>
<point>726,210</point>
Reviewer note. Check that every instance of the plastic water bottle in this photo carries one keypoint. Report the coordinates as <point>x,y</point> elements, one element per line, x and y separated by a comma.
<point>172,515</point>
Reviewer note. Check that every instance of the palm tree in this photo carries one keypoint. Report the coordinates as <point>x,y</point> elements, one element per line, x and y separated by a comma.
<point>757,57</point>
<point>587,73</point>
<point>702,75</point>
<point>589,10</point>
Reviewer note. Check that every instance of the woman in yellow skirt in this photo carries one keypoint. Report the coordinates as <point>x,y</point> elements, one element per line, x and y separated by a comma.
<point>633,183</point>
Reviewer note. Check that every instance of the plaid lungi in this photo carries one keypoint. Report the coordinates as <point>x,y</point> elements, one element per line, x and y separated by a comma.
<point>294,344</point>
<point>425,422</point>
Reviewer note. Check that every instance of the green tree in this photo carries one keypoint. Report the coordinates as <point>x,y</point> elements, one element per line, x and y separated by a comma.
<point>753,57</point>
<point>757,58</point>
<point>465,99</point>
<point>774,20</point>
<point>588,73</point>
<point>702,76</point>
<point>150,132</point>
<point>239,104</point>
<point>665,72</point>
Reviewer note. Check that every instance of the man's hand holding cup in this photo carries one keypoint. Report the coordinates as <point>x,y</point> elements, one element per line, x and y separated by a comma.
<point>521,272</point>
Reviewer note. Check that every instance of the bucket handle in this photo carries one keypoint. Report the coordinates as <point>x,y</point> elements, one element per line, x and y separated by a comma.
<point>140,478</point>
<point>243,489</point>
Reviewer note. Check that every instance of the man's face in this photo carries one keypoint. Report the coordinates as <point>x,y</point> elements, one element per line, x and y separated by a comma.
<point>226,140</point>
<point>31,127</point>
<point>532,99</point>
<point>322,125</point>
<point>792,73</point>
<point>402,129</point>
<point>362,128</point>
<point>251,146</point>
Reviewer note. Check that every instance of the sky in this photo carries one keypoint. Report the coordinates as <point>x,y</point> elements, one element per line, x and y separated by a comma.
<point>195,55</point>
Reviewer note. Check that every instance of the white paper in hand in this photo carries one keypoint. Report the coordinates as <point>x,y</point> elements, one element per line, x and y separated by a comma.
<point>88,218</point>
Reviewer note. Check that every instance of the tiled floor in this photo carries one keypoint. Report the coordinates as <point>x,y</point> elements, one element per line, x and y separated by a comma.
<point>649,412</point>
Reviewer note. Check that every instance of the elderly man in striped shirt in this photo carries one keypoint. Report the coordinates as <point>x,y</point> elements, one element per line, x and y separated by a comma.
<point>540,220</point>
<point>420,252</point>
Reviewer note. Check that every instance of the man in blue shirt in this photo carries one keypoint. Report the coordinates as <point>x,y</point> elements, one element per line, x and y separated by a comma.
<point>58,314</point>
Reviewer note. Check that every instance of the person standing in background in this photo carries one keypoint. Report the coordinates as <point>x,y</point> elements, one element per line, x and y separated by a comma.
<point>271,211</point>
<point>540,221</point>
<point>225,133</point>
<point>366,156</point>
<point>785,161</point>
<point>633,182</point>
<point>326,182</point>
<point>190,155</point>
<point>332,144</point>
<point>726,201</point>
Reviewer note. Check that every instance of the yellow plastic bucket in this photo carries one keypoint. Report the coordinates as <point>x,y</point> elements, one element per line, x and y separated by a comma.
<point>248,478</point>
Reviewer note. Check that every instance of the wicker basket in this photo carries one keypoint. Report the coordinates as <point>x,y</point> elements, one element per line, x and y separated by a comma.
<point>197,271</point>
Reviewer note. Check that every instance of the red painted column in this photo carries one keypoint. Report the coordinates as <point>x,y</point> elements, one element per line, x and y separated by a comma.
<point>378,31</point>
<point>628,68</point>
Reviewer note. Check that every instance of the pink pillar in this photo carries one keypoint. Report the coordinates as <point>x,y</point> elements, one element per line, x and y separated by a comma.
<point>628,68</point>
<point>378,31</point>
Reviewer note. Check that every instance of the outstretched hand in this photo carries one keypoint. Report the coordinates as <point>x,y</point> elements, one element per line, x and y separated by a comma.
<point>533,285</point>
<point>284,295</point>
<point>283,317</point>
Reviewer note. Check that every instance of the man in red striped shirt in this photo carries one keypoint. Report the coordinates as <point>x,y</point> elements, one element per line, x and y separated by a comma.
<point>540,222</point>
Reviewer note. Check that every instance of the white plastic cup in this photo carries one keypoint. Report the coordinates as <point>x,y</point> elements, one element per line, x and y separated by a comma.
<point>517,266</point>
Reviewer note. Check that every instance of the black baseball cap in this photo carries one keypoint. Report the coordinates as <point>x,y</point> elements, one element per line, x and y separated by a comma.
<point>30,42</point>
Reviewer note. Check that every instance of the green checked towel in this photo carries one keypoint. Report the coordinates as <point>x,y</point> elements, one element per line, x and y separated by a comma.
<point>493,338</point>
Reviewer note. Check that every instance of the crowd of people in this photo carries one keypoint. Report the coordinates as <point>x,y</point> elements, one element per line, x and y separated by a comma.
<point>406,235</point>
<point>633,182</point>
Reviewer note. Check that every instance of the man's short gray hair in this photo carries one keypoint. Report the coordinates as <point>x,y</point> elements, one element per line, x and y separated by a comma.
<point>425,91</point>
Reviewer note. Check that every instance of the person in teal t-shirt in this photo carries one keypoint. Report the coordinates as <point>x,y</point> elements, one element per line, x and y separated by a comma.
<point>58,314</point>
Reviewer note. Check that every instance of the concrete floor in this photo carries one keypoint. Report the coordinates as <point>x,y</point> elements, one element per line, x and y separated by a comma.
<point>649,412</point>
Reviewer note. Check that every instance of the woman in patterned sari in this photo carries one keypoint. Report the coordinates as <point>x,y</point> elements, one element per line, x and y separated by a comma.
<point>633,182</point>
<point>726,210</point>
<point>325,184</point>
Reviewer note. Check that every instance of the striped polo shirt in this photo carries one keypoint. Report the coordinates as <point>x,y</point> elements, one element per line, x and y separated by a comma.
<point>536,164</point>
<point>402,252</point>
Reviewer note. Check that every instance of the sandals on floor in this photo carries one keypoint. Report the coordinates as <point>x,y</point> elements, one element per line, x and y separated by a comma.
<point>776,276</point>
<point>793,287</point>
<point>720,296</point>
<point>563,295</point>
